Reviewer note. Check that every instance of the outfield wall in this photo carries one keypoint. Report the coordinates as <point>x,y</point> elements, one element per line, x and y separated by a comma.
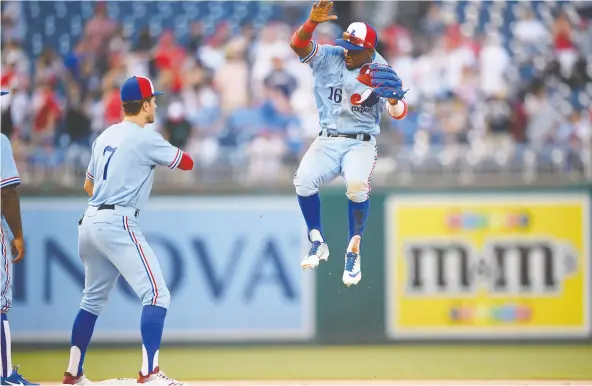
<point>449,265</point>
<point>454,265</point>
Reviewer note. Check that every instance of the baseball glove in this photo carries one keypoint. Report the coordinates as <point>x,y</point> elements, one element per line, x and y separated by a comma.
<point>383,79</point>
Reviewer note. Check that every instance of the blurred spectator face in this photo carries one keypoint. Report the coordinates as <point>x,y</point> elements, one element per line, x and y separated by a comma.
<point>167,39</point>
<point>196,28</point>
<point>74,95</point>
<point>541,93</point>
<point>278,63</point>
<point>223,32</point>
<point>434,11</point>
<point>101,11</point>
<point>528,15</point>
<point>434,22</point>
<point>248,31</point>
<point>46,57</point>
<point>144,42</point>
<point>80,48</point>
<point>453,37</point>
<point>575,117</point>
<point>267,35</point>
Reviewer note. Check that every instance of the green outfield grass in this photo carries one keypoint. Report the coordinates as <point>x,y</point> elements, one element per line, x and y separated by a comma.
<point>349,362</point>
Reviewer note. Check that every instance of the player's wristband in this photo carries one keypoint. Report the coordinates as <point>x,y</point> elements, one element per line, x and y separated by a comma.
<point>398,111</point>
<point>307,27</point>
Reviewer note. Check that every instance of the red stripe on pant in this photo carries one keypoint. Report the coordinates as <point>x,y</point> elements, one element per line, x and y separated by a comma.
<point>6,270</point>
<point>144,261</point>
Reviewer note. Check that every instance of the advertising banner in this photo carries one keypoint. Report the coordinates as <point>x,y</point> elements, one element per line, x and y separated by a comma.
<point>487,266</point>
<point>232,266</point>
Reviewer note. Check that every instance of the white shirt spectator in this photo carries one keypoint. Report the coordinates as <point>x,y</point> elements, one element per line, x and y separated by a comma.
<point>428,75</point>
<point>531,31</point>
<point>455,62</point>
<point>265,158</point>
<point>494,61</point>
<point>404,66</point>
<point>270,45</point>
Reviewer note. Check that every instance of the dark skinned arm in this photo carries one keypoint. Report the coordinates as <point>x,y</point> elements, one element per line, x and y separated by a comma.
<point>303,35</point>
<point>318,14</point>
<point>11,210</point>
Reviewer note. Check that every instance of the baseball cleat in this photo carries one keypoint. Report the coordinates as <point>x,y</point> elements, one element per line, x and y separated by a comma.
<point>80,380</point>
<point>118,382</point>
<point>352,273</point>
<point>318,251</point>
<point>157,378</point>
<point>15,379</point>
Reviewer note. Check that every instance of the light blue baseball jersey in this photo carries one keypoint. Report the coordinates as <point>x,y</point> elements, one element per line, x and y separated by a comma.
<point>9,176</point>
<point>339,95</point>
<point>123,161</point>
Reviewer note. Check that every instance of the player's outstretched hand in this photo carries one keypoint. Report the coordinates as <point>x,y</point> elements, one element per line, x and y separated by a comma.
<point>18,249</point>
<point>320,12</point>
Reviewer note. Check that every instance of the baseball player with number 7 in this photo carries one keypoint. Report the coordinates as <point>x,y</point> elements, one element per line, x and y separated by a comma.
<point>352,86</point>
<point>110,243</point>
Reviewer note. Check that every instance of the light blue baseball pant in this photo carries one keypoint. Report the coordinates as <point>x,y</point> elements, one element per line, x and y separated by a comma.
<point>110,243</point>
<point>5,271</point>
<point>327,158</point>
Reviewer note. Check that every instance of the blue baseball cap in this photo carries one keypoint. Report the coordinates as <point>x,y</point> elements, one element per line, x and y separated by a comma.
<point>137,88</point>
<point>3,92</point>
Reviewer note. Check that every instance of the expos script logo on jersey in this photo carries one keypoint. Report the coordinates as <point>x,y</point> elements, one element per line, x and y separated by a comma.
<point>364,103</point>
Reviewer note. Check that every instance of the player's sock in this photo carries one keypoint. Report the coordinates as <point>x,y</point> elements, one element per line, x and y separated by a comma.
<point>152,326</point>
<point>358,212</point>
<point>5,342</point>
<point>311,210</point>
<point>82,331</point>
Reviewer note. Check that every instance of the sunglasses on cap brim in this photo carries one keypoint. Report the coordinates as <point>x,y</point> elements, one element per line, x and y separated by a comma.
<point>356,41</point>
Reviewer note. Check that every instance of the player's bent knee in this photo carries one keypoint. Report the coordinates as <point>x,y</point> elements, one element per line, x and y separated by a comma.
<point>358,191</point>
<point>305,186</point>
<point>162,299</point>
<point>93,304</point>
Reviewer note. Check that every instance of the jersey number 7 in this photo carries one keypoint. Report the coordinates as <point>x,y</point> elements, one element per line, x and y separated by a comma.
<point>108,149</point>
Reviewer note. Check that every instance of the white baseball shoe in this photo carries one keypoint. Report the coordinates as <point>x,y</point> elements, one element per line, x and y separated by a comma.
<point>352,273</point>
<point>157,378</point>
<point>318,251</point>
<point>118,382</point>
<point>81,380</point>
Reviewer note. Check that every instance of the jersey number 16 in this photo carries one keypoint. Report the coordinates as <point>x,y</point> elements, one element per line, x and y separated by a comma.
<point>335,94</point>
<point>108,149</point>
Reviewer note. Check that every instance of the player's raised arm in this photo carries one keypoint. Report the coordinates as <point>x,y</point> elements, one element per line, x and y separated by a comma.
<point>159,151</point>
<point>302,39</point>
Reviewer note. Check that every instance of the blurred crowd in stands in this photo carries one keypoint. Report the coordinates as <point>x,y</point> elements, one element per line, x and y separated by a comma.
<point>482,75</point>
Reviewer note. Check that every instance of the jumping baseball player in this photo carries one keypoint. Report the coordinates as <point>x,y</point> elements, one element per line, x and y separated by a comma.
<point>110,243</point>
<point>352,86</point>
<point>12,252</point>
